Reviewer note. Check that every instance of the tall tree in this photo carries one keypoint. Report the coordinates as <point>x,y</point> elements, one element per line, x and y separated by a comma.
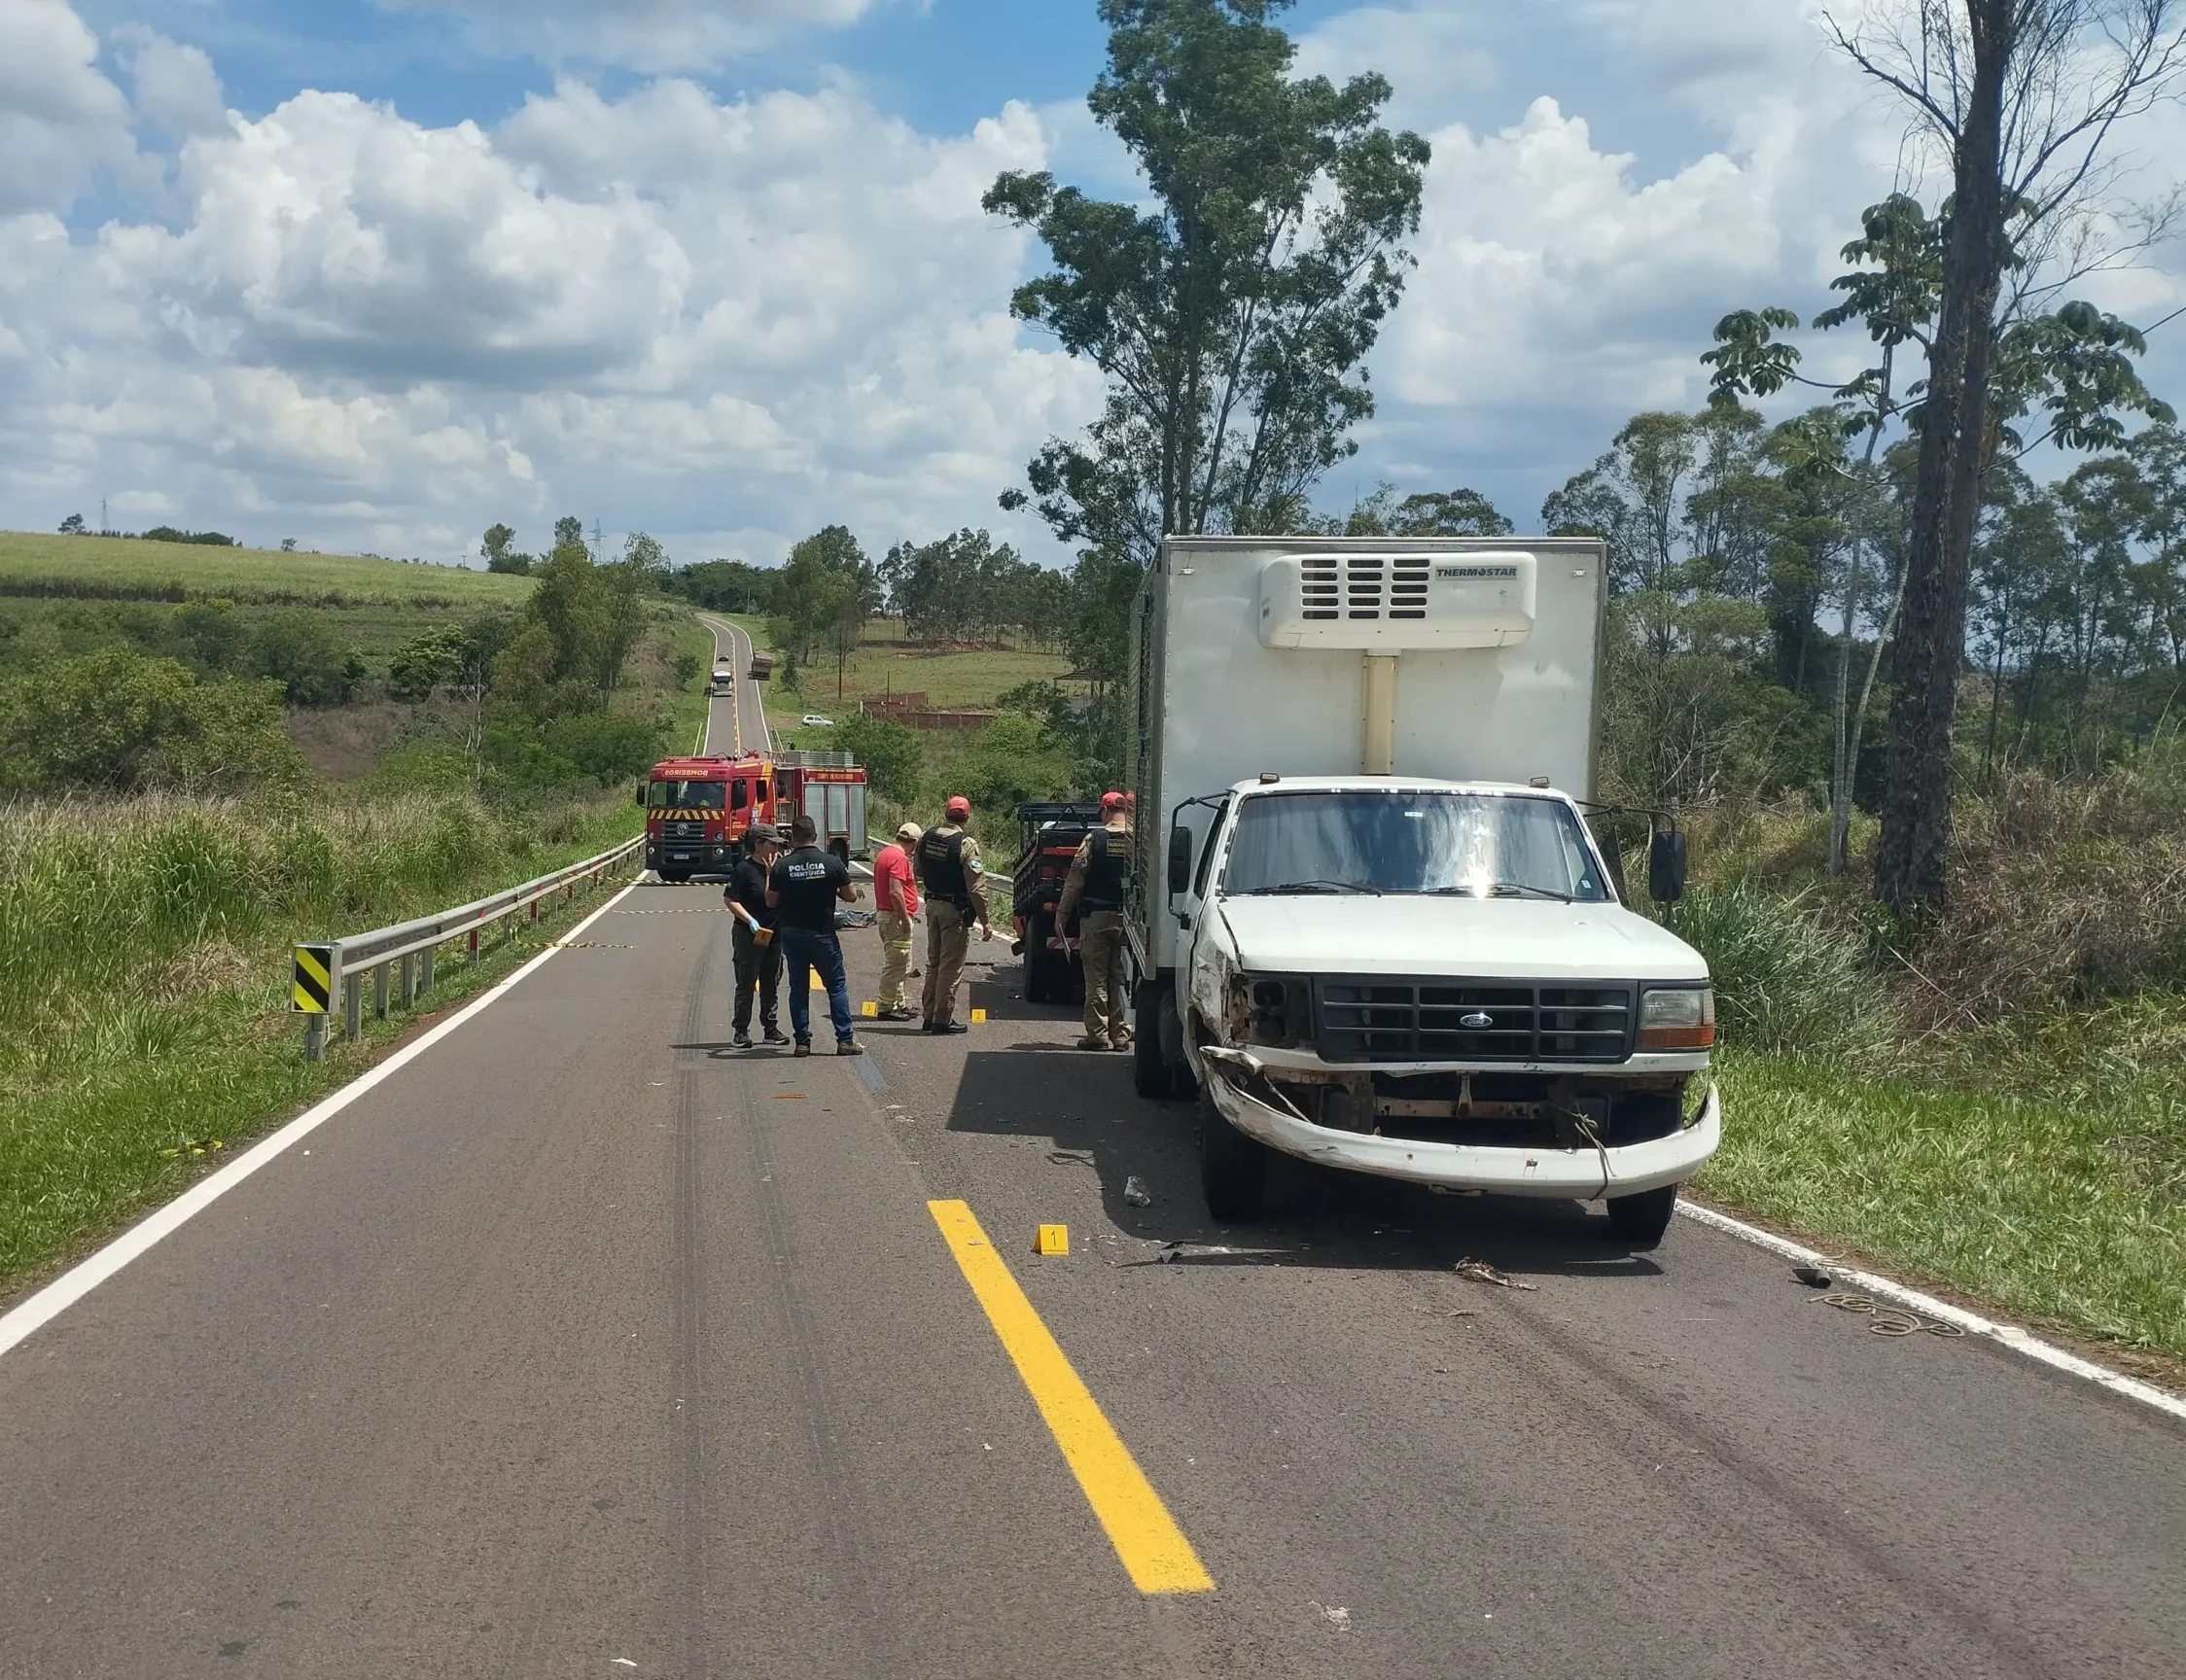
<point>2019,100</point>
<point>1232,316</point>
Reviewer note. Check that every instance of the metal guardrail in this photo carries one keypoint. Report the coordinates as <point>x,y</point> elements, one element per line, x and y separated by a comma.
<point>332,976</point>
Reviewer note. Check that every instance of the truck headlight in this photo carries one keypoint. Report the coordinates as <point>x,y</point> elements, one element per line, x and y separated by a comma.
<point>1677,1018</point>
<point>1276,1008</point>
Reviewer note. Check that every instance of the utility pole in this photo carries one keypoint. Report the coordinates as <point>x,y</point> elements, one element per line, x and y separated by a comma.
<point>104,529</point>
<point>599,544</point>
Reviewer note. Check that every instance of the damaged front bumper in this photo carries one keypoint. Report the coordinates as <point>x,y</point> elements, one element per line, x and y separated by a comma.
<point>1243,1096</point>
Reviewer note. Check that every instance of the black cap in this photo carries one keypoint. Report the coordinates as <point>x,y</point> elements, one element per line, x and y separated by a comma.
<point>760,832</point>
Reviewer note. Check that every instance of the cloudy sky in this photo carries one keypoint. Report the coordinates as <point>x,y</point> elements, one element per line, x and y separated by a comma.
<point>374,273</point>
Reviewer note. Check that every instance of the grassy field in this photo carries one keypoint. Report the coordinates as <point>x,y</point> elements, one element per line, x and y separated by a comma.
<point>143,1030</point>
<point>2065,1207</point>
<point>886,664</point>
<point>107,567</point>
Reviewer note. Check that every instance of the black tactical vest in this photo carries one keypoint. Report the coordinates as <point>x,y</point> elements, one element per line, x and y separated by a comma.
<point>1107,867</point>
<point>940,868</point>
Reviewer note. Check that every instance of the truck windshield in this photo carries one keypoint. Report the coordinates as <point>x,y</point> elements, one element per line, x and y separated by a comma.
<point>1479,845</point>
<point>688,795</point>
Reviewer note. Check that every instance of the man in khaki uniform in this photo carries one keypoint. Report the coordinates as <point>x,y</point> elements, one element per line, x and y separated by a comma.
<point>1095,888</point>
<point>949,869</point>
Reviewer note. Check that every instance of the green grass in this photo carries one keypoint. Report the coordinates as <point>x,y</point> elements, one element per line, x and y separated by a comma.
<point>2070,1209</point>
<point>143,977</point>
<point>886,664</point>
<point>106,567</point>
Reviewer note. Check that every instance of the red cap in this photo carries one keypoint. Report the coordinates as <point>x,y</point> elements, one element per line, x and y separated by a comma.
<point>1111,802</point>
<point>959,805</point>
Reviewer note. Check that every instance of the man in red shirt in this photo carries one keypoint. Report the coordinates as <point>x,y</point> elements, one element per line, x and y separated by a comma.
<point>895,900</point>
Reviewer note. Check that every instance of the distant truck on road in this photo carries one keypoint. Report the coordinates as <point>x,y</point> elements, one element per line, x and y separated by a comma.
<point>763,666</point>
<point>1371,926</point>
<point>724,678</point>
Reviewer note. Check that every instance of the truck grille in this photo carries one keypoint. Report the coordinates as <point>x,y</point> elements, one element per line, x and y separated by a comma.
<point>1363,586</point>
<point>1431,1020</point>
<point>682,830</point>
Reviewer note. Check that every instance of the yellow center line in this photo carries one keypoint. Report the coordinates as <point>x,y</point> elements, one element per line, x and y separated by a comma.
<point>1152,1549</point>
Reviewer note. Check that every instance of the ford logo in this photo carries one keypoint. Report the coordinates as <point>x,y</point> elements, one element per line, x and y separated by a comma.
<point>1476,1020</point>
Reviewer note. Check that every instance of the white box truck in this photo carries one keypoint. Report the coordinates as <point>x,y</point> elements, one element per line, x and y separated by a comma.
<point>1371,926</point>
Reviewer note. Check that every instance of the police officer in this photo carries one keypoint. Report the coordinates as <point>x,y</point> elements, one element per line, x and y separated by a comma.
<point>950,871</point>
<point>1094,889</point>
<point>759,959</point>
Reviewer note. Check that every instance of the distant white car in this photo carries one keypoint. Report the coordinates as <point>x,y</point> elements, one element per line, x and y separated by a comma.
<point>816,720</point>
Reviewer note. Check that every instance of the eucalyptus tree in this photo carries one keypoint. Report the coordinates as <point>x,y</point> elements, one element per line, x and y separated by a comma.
<point>1232,312</point>
<point>2019,100</point>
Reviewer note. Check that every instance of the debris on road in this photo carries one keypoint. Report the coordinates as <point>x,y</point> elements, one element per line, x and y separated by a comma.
<point>1136,1193</point>
<point>1480,1272</point>
<point>1813,1277</point>
<point>1337,1615</point>
<point>1887,1320</point>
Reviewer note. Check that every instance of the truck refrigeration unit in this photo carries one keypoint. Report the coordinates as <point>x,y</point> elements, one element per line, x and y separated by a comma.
<point>1372,927</point>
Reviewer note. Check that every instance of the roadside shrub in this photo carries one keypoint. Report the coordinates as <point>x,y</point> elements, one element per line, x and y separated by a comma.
<point>1783,981</point>
<point>891,752</point>
<point>2060,893</point>
<point>119,721</point>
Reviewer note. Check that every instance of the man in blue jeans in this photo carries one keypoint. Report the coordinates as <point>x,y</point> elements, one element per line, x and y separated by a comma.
<point>801,892</point>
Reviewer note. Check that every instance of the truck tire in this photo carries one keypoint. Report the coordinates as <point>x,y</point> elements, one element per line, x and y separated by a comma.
<point>1182,1085</point>
<point>1639,1221</point>
<point>1149,1073</point>
<point>1039,962</point>
<point>1233,1169</point>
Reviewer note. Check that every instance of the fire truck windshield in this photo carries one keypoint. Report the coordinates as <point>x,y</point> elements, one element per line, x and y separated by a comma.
<point>688,795</point>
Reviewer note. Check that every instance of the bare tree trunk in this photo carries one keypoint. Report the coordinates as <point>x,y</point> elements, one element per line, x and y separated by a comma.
<point>1909,858</point>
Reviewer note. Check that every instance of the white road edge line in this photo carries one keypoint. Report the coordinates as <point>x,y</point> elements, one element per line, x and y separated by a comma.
<point>78,1281</point>
<point>1972,1323</point>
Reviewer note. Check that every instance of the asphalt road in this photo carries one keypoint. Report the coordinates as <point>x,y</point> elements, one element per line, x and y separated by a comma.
<point>584,1346</point>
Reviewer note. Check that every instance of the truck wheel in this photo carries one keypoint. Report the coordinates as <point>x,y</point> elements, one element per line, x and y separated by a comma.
<point>1641,1220</point>
<point>1182,1085</point>
<point>1149,1073</point>
<point>1233,1169</point>
<point>1040,981</point>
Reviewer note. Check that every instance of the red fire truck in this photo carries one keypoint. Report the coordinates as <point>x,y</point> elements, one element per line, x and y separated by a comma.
<point>698,810</point>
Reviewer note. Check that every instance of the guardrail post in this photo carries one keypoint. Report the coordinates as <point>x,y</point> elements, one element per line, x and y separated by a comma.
<point>406,987</point>
<point>314,1037</point>
<point>425,967</point>
<point>474,951</point>
<point>379,993</point>
<point>353,1007</point>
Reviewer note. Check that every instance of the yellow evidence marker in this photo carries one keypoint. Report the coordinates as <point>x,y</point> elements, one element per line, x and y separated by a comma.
<point>869,1010</point>
<point>978,1016</point>
<point>1052,1239</point>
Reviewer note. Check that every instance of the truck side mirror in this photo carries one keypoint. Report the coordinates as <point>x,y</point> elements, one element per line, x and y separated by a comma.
<point>1665,868</point>
<point>641,792</point>
<point>1180,859</point>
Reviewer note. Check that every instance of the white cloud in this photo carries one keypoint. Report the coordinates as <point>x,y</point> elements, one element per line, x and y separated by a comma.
<point>176,86</point>
<point>663,309</point>
<point>650,35</point>
<point>60,120</point>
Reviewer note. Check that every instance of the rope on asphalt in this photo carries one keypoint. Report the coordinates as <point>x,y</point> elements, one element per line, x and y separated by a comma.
<point>1887,1320</point>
